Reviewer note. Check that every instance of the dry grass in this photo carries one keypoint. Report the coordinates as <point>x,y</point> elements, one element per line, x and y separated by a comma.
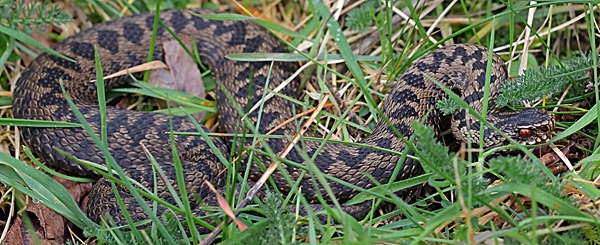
<point>566,32</point>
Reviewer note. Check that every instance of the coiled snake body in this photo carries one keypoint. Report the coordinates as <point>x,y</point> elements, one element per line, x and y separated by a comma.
<point>123,43</point>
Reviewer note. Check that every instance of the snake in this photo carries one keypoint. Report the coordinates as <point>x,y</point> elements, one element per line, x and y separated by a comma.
<point>125,42</point>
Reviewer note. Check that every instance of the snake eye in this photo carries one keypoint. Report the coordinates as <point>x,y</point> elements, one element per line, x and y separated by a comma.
<point>524,133</point>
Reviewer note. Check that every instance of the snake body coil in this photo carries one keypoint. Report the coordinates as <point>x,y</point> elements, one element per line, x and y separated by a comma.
<point>123,43</point>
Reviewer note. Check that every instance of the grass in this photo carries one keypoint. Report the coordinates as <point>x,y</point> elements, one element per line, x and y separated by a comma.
<point>522,207</point>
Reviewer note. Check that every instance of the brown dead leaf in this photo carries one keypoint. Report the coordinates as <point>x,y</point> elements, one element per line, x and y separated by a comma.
<point>122,104</point>
<point>77,190</point>
<point>49,227</point>
<point>182,73</point>
<point>225,206</point>
<point>549,158</point>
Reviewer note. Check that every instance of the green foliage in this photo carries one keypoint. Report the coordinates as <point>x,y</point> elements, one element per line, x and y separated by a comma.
<point>15,14</point>
<point>570,237</point>
<point>434,153</point>
<point>70,242</point>
<point>592,234</point>
<point>526,173</point>
<point>447,106</point>
<point>511,241</point>
<point>282,223</point>
<point>435,158</point>
<point>168,219</point>
<point>19,18</point>
<point>361,17</point>
<point>534,83</point>
<point>478,184</point>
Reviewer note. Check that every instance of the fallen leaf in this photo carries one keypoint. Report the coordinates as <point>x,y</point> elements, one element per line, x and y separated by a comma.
<point>122,104</point>
<point>181,73</point>
<point>48,225</point>
<point>79,191</point>
<point>225,206</point>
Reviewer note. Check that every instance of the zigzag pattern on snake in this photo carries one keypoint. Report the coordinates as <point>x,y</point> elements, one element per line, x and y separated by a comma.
<point>123,43</point>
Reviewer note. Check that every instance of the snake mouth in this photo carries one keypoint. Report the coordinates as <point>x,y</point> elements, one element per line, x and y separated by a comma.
<point>528,127</point>
<point>539,139</point>
<point>528,136</point>
<point>533,135</point>
<point>536,134</point>
<point>528,144</point>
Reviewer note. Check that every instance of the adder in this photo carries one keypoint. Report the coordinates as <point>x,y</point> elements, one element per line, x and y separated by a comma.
<point>124,43</point>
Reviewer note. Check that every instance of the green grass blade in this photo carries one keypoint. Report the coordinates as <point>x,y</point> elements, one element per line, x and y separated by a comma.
<point>53,172</point>
<point>585,120</point>
<point>393,187</point>
<point>181,182</point>
<point>286,57</point>
<point>103,143</point>
<point>541,196</point>
<point>482,119</point>
<point>42,187</point>
<point>8,51</point>
<point>588,189</point>
<point>37,123</point>
<point>179,97</point>
<point>101,97</point>
<point>237,17</point>
<point>29,40</point>
<point>445,215</point>
<point>112,164</point>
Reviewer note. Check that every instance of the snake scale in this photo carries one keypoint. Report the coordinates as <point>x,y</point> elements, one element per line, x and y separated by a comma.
<point>124,43</point>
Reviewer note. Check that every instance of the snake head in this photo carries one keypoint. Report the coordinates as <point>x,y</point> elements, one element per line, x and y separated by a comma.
<point>528,127</point>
